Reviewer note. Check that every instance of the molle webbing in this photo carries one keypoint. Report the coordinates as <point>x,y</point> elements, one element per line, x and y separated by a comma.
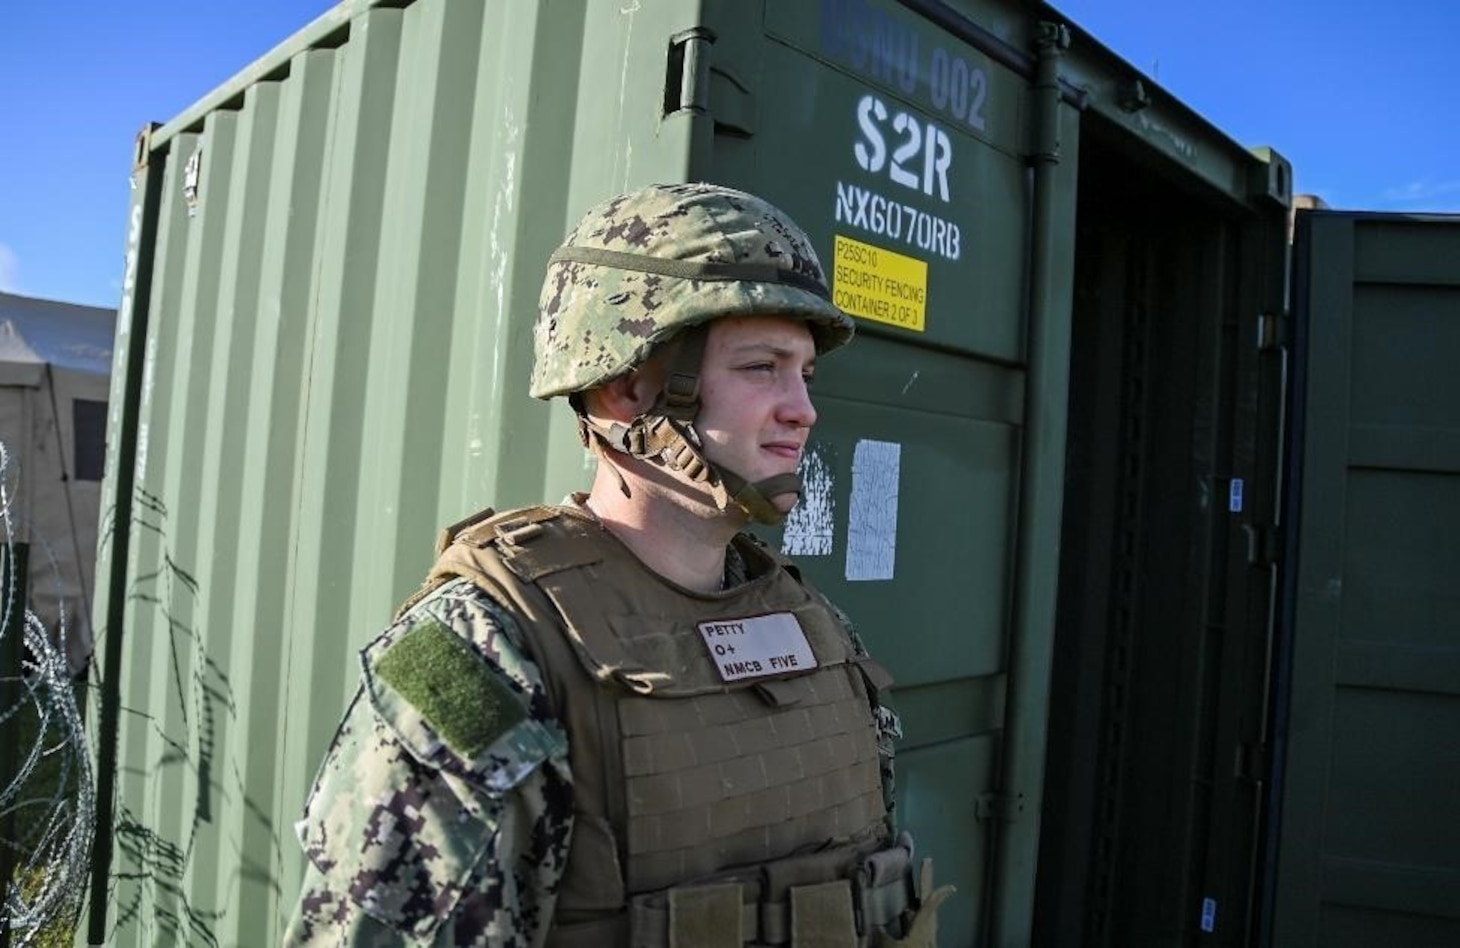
<point>678,776</point>
<point>707,790</point>
<point>796,901</point>
<point>714,776</point>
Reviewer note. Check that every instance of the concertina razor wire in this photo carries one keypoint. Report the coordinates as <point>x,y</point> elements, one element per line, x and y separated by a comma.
<point>47,787</point>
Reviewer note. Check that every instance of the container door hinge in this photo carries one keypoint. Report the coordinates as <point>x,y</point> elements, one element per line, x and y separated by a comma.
<point>1272,331</point>
<point>193,179</point>
<point>1132,95</point>
<point>687,75</point>
<point>1271,177</point>
<point>695,83</point>
<point>1262,544</point>
<point>1253,763</point>
<point>1005,808</point>
<point>142,151</point>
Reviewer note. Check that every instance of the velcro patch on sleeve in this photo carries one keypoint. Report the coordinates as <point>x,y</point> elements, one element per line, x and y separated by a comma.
<point>453,688</point>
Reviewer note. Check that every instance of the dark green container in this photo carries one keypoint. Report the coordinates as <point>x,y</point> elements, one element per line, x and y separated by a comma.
<point>1367,843</point>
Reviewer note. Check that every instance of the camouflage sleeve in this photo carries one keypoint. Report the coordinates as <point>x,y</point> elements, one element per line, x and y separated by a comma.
<point>443,810</point>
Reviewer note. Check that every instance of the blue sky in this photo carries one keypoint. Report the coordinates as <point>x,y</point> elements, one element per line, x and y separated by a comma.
<point>78,80</point>
<point>1358,95</point>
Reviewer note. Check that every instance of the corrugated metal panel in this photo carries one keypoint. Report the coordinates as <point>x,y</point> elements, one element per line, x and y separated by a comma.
<point>336,353</point>
<point>1368,836</point>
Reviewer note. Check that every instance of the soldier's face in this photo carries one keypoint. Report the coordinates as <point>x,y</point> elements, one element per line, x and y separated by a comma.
<point>755,408</point>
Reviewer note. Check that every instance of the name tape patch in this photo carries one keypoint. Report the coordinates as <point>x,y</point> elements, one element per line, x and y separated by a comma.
<point>758,647</point>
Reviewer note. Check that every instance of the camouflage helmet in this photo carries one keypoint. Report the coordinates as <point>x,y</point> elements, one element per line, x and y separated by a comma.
<point>642,267</point>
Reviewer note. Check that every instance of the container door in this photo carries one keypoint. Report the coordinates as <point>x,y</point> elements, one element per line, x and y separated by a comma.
<point>898,147</point>
<point>1153,786</point>
<point>1368,840</point>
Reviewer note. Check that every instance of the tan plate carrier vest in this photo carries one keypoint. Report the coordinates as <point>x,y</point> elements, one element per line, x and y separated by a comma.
<point>706,814</point>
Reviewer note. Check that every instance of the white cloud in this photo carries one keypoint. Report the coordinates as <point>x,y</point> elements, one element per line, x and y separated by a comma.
<point>9,270</point>
<point>1425,194</point>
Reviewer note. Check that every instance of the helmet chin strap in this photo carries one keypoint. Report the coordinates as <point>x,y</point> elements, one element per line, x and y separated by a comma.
<point>675,445</point>
<point>665,434</point>
<point>756,499</point>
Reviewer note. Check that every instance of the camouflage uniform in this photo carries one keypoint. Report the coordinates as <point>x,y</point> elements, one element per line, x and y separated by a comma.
<point>407,842</point>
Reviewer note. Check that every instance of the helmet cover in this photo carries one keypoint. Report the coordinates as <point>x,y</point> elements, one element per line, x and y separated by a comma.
<point>642,267</point>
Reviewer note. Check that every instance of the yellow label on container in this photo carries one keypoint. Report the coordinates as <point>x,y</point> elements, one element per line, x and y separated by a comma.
<point>880,285</point>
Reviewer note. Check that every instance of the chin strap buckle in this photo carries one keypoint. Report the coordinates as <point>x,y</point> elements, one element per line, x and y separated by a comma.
<point>681,398</point>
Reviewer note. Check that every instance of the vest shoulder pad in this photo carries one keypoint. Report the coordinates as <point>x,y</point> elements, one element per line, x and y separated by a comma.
<point>508,525</point>
<point>538,541</point>
<point>449,534</point>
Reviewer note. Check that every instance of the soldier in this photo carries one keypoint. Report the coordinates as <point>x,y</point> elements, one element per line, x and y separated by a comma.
<point>622,721</point>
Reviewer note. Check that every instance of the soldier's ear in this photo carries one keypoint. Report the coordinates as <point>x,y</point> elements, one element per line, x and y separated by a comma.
<point>645,383</point>
<point>627,396</point>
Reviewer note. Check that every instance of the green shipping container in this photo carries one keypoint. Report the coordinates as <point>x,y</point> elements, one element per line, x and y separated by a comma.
<point>1045,483</point>
<point>1367,843</point>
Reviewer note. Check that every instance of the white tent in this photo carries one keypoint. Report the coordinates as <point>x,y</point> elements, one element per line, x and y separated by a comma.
<point>55,370</point>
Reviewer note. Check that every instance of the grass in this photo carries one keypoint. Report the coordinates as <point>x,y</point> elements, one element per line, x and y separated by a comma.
<point>59,932</point>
